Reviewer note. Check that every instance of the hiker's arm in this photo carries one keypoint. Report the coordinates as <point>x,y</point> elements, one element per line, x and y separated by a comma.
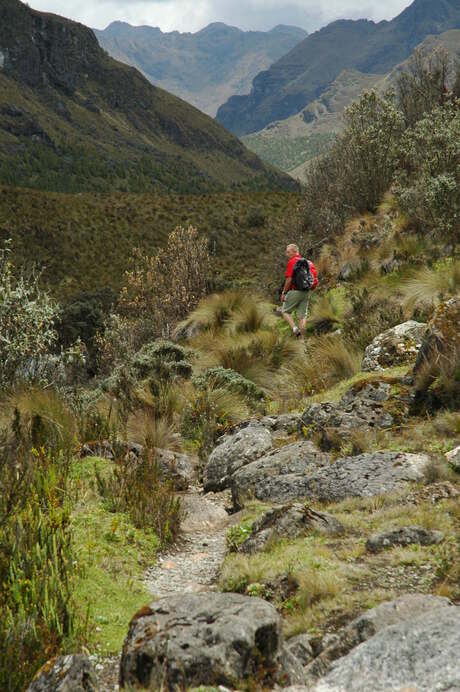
<point>287,286</point>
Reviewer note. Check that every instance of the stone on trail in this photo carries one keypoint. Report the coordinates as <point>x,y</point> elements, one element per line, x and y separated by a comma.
<point>234,452</point>
<point>73,673</point>
<point>406,535</point>
<point>395,346</point>
<point>283,476</point>
<point>289,521</point>
<point>200,639</point>
<point>367,625</point>
<point>420,653</point>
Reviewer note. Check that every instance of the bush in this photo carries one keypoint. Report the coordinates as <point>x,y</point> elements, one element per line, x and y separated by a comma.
<point>353,176</point>
<point>169,284</point>
<point>209,413</point>
<point>231,380</point>
<point>136,487</point>
<point>164,360</point>
<point>427,184</point>
<point>369,316</point>
<point>27,318</point>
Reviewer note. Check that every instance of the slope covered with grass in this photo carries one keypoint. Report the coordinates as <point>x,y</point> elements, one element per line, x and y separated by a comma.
<point>73,119</point>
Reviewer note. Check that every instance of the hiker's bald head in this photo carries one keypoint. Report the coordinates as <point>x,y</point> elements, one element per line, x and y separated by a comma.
<point>292,250</point>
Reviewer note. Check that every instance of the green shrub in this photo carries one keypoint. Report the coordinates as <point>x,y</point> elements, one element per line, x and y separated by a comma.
<point>427,184</point>
<point>164,360</point>
<point>231,380</point>
<point>209,413</point>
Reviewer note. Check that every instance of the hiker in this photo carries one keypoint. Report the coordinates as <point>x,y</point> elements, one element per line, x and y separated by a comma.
<point>300,280</point>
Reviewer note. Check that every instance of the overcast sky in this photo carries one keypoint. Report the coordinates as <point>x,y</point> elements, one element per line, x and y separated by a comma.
<point>192,15</point>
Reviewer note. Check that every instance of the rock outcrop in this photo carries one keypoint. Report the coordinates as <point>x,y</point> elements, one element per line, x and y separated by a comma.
<point>283,476</point>
<point>367,625</point>
<point>73,673</point>
<point>453,458</point>
<point>200,639</point>
<point>406,535</point>
<point>289,521</point>
<point>420,654</point>
<point>361,407</point>
<point>232,453</point>
<point>395,346</point>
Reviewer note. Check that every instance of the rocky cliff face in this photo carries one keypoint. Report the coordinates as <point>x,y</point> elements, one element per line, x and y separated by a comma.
<point>303,74</point>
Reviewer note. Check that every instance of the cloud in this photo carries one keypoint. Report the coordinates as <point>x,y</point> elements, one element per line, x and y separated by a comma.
<point>192,15</point>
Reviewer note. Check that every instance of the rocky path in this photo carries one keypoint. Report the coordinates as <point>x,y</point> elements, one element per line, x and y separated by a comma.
<point>191,565</point>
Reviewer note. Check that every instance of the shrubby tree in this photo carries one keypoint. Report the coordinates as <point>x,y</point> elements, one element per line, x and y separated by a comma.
<point>27,318</point>
<point>424,85</point>
<point>168,285</point>
<point>354,175</point>
<point>427,184</point>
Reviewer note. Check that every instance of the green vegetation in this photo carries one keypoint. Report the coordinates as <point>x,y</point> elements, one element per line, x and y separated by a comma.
<point>112,555</point>
<point>86,241</point>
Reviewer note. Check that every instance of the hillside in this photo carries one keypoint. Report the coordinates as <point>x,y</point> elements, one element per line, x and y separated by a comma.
<point>85,241</point>
<point>310,68</point>
<point>292,143</point>
<point>204,68</point>
<point>74,119</point>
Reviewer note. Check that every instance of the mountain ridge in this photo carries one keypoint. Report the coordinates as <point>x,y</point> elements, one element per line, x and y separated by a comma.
<point>309,68</point>
<point>205,67</point>
<point>73,119</point>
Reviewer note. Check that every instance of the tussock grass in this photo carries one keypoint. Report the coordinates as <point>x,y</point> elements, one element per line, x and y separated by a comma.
<point>327,311</point>
<point>328,361</point>
<point>427,287</point>
<point>153,432</point>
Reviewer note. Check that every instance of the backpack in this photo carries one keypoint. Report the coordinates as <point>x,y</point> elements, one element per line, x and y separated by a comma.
<point>304,276</point>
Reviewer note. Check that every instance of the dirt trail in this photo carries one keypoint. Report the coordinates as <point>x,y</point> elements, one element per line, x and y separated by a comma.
<point>191,565</point>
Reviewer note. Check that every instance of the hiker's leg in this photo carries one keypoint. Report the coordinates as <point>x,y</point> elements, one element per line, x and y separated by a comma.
<point>289,306</point>
<point>289,319</point>
<point>303,312</point>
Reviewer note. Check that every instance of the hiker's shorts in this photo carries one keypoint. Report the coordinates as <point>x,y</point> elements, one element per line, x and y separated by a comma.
<point>298,301</point>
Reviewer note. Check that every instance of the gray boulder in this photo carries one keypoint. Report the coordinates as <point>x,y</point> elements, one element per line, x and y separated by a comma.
<point>397,345</point>
<point>302,648</point>
<point>234,452</point>
<point>283,477</point>
<point>73,673</point>
<point>289,521</point>
<point>406,535</point>
<point>361,407</point>
<point>286,422</point>
<point>403,609</point>
<point>174,466</point>
<point>420,654</point>
<point>280,476</point>
<point>200,639</point>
